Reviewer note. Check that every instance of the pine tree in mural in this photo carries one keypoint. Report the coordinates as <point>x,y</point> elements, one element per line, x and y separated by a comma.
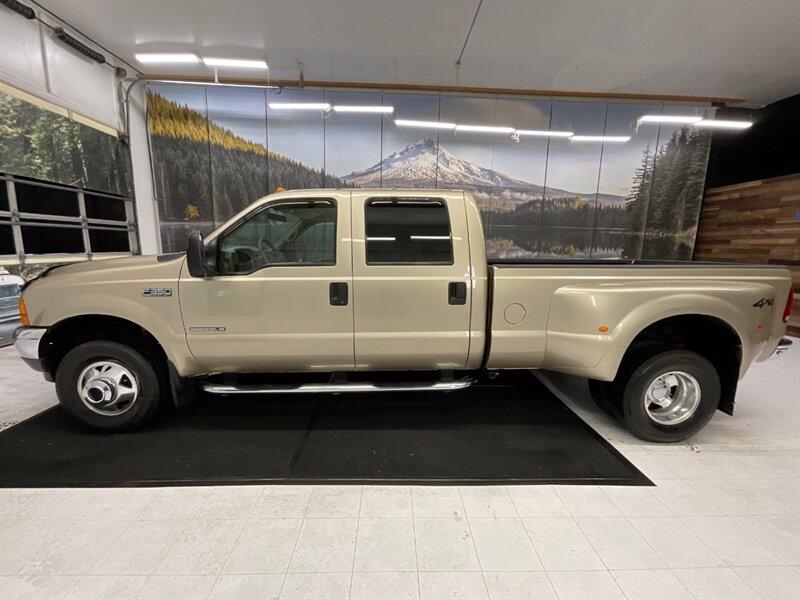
<point>665,197</point>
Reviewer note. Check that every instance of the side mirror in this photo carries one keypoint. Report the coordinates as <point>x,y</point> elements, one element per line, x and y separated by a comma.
<point>196,255</point>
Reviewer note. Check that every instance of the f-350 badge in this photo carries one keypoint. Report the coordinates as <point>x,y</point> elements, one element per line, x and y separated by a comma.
<point>156,292</point>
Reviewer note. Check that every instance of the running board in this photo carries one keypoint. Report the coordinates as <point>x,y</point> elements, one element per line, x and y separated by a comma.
<point>340,388</point>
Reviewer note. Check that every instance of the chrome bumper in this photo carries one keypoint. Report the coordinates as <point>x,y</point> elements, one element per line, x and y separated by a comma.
<point>26,342</point>
<point>783,346</point>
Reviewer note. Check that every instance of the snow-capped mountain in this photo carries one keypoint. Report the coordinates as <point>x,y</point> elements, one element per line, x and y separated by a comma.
<point>425,163</point>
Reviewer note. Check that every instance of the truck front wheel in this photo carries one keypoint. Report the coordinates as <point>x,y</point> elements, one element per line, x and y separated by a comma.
<point>108,385</point>
<point>670,396</point>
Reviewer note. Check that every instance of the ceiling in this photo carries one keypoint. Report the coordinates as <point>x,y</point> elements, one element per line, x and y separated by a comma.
<point>721,48</point>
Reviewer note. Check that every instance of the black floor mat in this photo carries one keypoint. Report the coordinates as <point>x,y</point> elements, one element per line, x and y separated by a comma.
<point>503,433</point>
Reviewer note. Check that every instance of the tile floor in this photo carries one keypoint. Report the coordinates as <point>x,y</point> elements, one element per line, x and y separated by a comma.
<point>723,522</point>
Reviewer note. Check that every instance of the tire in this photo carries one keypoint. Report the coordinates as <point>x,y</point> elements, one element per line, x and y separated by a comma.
<point>139,378</point>
<point>606,395</point>
<point>689,381</point>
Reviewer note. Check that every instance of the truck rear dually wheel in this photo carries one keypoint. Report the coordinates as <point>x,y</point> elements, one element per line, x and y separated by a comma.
<point>670,396</point>
<point>108,385</point>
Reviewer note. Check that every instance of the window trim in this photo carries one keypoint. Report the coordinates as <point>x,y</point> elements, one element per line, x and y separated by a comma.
<point>408,201</point>
<point>266,206</point>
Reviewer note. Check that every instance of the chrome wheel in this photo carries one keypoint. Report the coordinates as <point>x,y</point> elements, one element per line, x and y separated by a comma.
<point>107,388</point>
<point>672,398</point>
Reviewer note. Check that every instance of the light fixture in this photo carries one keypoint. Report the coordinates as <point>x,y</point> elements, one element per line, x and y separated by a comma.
<point>600,138</point>
<point>66,39</point>
<point>363,109</point>
<point>430,237</point>
<point>721,124</point>
<point>429,124</point>
<point>178,57</point>
<point>300,105</point>
<point>241,63</point>
<point>381,239</point>
<point>484,129</point>
<point>668,119</point>
<point>544,133</point>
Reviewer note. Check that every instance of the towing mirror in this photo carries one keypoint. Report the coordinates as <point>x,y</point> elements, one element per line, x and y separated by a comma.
<point>196,255</point>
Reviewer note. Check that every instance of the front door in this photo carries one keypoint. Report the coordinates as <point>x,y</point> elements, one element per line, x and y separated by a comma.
<point>282,296</point>
<point>411,282</point>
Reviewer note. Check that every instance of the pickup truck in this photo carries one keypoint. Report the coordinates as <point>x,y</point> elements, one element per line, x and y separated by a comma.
<point>390,290</point>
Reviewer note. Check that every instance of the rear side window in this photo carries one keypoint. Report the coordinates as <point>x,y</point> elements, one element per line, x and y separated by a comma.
<point>412,231</point>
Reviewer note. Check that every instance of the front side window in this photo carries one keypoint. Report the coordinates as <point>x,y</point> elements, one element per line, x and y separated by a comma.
<point>294,233</point>
<point>408,231</point>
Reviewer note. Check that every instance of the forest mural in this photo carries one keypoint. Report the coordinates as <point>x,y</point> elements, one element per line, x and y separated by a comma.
<point>216,150</point>
<point>38,143</point>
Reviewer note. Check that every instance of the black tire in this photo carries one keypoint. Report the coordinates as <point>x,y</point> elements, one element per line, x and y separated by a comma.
<point>606,395</point>
<point>147,375</point>
<point>634,412</point>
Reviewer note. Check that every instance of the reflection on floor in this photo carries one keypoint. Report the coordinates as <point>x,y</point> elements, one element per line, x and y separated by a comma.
<point>723,522</point>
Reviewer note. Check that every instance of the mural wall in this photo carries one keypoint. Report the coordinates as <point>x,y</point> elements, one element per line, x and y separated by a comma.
<point>217,149</point>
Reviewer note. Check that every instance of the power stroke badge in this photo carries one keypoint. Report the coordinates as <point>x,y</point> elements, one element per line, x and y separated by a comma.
<point>156,292</point>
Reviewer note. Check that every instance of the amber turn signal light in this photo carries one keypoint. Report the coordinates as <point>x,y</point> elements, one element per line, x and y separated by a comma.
<point>603,329</point>
<point>23,313</point>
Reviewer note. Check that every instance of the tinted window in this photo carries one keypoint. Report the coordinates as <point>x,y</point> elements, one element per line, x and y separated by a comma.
<point>408,231</point>
<point>49,240</point>
<point>100,207</point>
<point>6,240</point>
<point>107,240</point>
<point>3,195</point>
<point>46,200</point>
<point>292,233</point>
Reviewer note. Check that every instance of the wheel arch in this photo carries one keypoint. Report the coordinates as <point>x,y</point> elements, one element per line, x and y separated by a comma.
<point>710,336</point>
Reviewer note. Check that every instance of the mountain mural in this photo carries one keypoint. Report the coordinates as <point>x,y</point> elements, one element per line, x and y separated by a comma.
<point>425,164</point>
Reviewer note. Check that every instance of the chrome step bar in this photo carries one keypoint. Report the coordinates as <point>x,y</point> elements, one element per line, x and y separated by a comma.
<point>344,387</point>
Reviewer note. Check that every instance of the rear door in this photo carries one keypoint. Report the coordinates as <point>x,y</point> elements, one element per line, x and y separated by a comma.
<point>410,281</point>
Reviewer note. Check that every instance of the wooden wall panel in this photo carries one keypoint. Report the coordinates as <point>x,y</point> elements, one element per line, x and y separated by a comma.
<point>754,222</point>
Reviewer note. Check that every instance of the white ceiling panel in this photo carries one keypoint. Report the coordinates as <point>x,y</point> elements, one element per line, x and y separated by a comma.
<point>734,48</point>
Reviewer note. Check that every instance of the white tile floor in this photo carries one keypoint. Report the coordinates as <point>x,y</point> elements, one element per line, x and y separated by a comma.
<point>723,522</point>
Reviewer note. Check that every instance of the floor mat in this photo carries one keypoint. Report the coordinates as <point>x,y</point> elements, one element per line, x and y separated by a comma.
<point>504,433</point>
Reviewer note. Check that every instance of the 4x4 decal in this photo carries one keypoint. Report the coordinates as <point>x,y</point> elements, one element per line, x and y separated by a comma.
<point>764,302</point>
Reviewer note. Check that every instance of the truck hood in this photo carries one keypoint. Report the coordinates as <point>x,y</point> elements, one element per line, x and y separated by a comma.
<point>98,267</point>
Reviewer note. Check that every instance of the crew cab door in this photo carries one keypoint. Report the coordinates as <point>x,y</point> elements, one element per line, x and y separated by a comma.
<point>410,281</point>
<point>282,296</point>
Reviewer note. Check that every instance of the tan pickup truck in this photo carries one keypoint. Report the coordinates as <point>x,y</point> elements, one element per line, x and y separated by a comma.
<point>390,290</point>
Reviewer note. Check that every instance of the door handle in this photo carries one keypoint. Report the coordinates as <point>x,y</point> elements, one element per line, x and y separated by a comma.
<point>457,292</point>
<point>338,293</point>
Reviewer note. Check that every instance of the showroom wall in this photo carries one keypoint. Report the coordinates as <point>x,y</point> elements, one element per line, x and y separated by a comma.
<point>217,149</point>
<point>751,210</point>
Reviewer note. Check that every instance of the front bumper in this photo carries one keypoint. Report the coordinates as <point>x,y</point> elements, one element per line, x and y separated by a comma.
<point>26,343</point>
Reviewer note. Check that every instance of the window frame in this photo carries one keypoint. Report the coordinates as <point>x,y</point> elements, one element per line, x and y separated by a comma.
<point>218,240</point>
<point>410,200</point>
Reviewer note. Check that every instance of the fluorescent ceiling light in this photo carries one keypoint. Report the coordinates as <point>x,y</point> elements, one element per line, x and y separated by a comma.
<point>167,58</point>
<point>720,124</point>
<point>669,119</point>
<point>381,239</point>
<point>543,133</point>
<point>484,129</point>
<point>432,124</point>
<point>600,138</point>
<point>236,62</point>
<point>300,105</point>
<point>430,237</point>
<point>363,109</point>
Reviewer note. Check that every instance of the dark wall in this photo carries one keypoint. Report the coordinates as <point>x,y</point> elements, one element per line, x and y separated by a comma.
<point>768,149</point>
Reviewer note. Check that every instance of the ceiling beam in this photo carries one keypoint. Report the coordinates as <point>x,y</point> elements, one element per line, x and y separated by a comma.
<point>413,87</point>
